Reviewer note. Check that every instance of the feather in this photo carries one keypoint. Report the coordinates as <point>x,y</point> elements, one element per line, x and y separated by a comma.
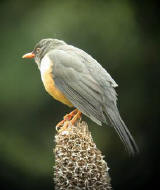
<point>90,88</point>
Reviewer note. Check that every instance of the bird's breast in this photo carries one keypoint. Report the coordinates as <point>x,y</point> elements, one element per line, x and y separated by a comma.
<point>46,70</point>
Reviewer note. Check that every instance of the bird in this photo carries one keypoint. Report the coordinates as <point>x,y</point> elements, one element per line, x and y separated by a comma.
<point>75,78</point>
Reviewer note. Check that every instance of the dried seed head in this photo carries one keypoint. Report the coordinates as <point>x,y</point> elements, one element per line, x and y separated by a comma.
<point>78,162</point>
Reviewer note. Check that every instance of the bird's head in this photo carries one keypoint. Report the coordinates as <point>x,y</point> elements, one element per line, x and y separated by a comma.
<point>43,47</point>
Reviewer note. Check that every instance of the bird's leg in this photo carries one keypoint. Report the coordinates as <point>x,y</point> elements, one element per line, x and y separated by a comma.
<point>70,115</point>
<point>76,117</point>
<point>66,122</point>
<point>67,117</point>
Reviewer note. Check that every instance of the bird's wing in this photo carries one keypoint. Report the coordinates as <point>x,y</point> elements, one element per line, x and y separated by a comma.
<point>90,89</point>
<point>73,78</point>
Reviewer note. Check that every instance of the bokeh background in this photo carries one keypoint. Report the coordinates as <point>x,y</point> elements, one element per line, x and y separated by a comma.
<point>124,36</point>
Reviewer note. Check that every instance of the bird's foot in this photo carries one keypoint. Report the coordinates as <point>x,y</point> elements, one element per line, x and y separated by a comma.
<point>69,116</point>
<point>76,117</point>
<point>63,128</point>
<point>66,122</point>
<point>62,125</point>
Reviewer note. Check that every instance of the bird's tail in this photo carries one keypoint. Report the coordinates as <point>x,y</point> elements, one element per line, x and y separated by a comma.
<point>122,130</point>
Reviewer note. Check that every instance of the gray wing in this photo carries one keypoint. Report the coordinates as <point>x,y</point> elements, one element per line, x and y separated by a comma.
<point>90,89</point>
<point>74,80</point>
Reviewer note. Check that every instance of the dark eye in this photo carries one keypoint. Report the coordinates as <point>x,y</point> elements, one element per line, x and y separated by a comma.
<point>37,50</point>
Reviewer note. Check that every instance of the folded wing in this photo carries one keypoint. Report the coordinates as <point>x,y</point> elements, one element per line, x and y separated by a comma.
<point>90,89</point>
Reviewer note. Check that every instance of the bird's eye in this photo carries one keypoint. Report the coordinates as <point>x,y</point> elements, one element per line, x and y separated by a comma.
<point>37,50</point>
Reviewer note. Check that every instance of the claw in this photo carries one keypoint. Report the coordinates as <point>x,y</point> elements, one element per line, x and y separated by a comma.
<point>70,115</point>
<point>59,125</point>
<point>76,117</point>
<point>62,125</point>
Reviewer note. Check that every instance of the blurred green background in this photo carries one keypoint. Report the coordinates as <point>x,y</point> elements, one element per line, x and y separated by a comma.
<point>124,36</point>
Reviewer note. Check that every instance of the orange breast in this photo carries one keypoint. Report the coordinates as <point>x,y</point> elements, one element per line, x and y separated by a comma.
<point>50,87</point>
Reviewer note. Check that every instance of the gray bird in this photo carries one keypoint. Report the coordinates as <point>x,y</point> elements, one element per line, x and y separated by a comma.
<point>74,78</point>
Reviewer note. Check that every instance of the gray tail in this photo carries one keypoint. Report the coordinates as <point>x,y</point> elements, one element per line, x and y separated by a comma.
<point>121,129</point>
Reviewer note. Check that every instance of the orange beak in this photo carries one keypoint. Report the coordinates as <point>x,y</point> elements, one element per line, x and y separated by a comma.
<point>29,55</point>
